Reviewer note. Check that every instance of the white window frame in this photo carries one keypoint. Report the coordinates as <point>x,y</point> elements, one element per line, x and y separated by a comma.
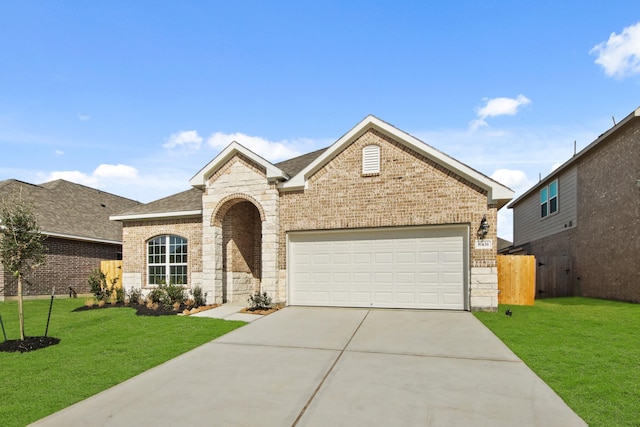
<point>546,200</point>
<point>371,160</point>
<point>171,257</point>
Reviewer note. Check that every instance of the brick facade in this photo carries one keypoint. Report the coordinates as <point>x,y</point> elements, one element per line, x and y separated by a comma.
<point>68,263</point>
<point>136,234</point>
<point>409,190</point>
<point>238,245</point>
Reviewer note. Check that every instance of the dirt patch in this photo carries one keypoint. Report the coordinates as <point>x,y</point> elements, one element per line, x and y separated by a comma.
<point>28,344</point>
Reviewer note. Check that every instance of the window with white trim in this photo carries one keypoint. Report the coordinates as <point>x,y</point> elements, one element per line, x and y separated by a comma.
<point>549,199</point>
<point>167,260</point>
<point>371,160</point>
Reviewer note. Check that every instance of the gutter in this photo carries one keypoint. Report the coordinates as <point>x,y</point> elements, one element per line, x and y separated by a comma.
<point>158,215</point>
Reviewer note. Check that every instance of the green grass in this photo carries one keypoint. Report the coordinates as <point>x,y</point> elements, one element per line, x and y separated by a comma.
<point>98,349</point>
<point>587,350</point>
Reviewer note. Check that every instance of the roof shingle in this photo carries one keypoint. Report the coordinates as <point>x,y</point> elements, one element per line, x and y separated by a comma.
<point>68,209</point>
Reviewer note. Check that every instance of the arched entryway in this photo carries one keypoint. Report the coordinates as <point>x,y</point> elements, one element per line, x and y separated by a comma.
<point>240,223</point>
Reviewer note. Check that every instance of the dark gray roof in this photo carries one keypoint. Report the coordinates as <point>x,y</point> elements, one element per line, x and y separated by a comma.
<point>503,243</point>
<point>191,200</point>
<point>292,166</point>
<point>186,201</point>
<point>69,209</point>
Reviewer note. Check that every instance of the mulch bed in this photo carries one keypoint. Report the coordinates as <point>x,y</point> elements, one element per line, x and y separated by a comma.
<point>144,310</point>
<point>29,344</point>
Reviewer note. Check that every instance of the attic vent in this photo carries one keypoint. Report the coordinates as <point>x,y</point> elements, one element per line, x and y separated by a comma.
<point>371,160</point>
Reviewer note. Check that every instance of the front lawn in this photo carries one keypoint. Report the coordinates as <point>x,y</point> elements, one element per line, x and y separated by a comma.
<point>98,349</point>
<point>587,350</point>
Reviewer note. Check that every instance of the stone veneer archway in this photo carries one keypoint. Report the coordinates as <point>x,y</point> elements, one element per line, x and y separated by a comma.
<point>251,263</point>
<point>241,226</point>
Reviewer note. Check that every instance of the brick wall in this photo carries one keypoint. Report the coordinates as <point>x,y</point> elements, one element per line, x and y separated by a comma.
<point>608,229</point>
<point>68,263</point>
<point>409,190</point>
<point>136,234</point>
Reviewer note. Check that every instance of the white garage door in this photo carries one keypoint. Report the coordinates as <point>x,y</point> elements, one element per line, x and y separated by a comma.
<point>420,267</point>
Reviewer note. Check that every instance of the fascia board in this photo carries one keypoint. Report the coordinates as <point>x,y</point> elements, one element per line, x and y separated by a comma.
<point>299,180</point>
<point>160,215</point>
<point>497,193</point>
<point>81,238</point>
<point>273,172</point>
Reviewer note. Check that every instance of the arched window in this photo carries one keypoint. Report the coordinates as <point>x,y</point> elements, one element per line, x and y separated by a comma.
<point>167,260</point>
<point>371,160</point>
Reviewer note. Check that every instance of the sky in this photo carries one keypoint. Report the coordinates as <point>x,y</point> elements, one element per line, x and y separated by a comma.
<point>135,97</point>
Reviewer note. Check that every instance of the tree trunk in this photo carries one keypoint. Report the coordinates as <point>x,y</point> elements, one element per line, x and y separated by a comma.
<point>20,311</point>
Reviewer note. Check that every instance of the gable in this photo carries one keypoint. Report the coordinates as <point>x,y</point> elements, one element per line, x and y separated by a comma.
<point>402,174</point>
<point>272,172</point>
<point>497,193</point>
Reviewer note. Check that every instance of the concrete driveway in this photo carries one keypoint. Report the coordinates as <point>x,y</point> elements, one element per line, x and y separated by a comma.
<point>331,366</point>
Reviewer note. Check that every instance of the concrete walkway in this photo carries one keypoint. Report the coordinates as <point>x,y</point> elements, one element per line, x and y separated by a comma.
<point>330,366</point>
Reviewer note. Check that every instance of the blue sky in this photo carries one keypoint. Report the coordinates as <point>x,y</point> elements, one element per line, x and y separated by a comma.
<point>134,97</point>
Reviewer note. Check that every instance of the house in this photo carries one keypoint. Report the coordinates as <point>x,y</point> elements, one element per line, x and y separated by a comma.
<point>75,220</point>
<point>582,222</point>
<point>378,219</point>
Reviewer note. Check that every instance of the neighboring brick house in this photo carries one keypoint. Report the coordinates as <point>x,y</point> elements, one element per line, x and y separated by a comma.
<point>582,222</point>
<point>378,219</point>
<point>75,220</point>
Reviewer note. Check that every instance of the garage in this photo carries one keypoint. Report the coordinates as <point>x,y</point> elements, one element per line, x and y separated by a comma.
<point>413,267</point>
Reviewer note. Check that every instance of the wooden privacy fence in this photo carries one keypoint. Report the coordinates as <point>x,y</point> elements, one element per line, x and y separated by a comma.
<point>516,279</point>
<point>113,270</point>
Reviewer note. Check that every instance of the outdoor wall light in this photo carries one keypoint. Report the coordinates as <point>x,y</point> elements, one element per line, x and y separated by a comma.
<point>484,228</point>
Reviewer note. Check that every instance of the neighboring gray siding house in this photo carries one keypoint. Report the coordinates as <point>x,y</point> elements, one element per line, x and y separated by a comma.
<point>75,220</point>
<point>582,222</point>
<point>378,219</point>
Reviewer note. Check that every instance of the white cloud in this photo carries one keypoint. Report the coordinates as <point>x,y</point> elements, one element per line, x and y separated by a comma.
<point>102,177</point>
<point>513,178</point>
<point>188,139</point>
<point>58,153</point>
<point>270,150</point>
<point>518,181</point>
<point>115,172</point>
<point>620,55</point>
<point>83,117</point>
<point>498,107</point>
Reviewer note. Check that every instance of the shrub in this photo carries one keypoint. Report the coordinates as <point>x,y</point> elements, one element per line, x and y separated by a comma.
<point>135,296</point>
<point>120,295</point>
<point>156,295</point>
<point>259,301</point>
<point>167,295</point>
<point>99,286</point>
<point>199,298</point>
<point>173,294</point>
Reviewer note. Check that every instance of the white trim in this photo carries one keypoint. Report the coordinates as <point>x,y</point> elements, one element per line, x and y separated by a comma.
<point>497,193</point>
<point>371,159</point>
<point>177,214</point>
<point>199,179</point>
<point>86,239</point>
<point>462,230</point>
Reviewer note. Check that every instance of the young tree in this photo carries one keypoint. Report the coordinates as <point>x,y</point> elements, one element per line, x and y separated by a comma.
<point>21,243</point>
